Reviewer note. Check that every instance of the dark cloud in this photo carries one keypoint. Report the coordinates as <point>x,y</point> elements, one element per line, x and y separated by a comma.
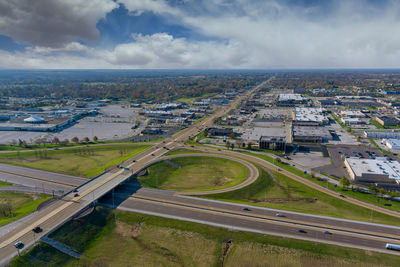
<point>52,23</point>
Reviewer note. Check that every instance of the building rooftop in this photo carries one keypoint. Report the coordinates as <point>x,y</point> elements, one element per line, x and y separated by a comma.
<point>310,115</point>
<point>291,97</point>
<point>378,166</point>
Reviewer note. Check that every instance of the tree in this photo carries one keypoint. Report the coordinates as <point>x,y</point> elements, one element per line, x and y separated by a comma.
<point>56,140</point>
<point>249,146</point>
<point>373,188</point>
<point>228,144</point>
<point>232,146</point>
<point>344,182</point>
<point>66,141</point>
<point>95,139</point>
<point>382,191</point>
<point>86,139</point>
<point>75,139</point>
<point>20,142</point>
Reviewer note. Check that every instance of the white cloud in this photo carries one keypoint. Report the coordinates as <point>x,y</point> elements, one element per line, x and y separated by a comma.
<point>245,34</point>
<point>52,23</point>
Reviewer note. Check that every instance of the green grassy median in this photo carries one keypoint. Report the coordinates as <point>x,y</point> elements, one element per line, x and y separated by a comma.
<point>195,173</point>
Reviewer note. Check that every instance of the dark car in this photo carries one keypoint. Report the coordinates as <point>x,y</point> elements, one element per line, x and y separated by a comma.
<point>280,215</point>
<point>153,155</point>
<point>342,195</point>
<point>302,231</point>
<point>246,209</point>
<point>37,229</point>
<point>327,233</point>
<point>76,195</point>
<point>75,190</point>
<point>19,245</point>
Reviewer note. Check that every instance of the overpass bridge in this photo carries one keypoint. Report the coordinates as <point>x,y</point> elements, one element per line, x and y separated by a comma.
<point>61,211</point>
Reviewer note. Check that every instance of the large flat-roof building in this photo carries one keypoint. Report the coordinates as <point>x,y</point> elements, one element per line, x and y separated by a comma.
<point>379,170</point>
<point>291,99</point>
<point>387,121</point>
<point>393,143</point>
<point>310,134</point>
<point>382,134</point>
<point>352,114</point>
<point>309,116</point>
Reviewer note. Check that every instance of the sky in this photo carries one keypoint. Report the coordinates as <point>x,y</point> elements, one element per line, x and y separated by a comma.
<point>199,34</point>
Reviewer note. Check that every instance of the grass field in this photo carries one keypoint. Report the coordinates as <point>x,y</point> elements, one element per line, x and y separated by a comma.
<point>143,240</point>
<point>287,194</point>
<point>21,204</point>
<point>85,162</point>
<point>370,198</point>
<point>4,184</point>
<point>196,173</point>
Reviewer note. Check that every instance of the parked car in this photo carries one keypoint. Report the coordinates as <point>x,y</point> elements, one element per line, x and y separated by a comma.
<point>280,215</point>
<point>327,233</point>
<point>302,231</point>
<point>246,209</point>
<point>76,195</point>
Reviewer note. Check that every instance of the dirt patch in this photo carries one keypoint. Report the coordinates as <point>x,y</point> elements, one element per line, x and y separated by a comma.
<point>225,250</point>
<point>222,181</point>
<point>128,231</point>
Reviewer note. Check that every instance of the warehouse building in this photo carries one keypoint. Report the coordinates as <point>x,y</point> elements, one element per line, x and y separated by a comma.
<point>383,134</point>
<point>392,143</point>
<point>379,170</point>
<point>387,121</point>
<point>309,116</point>
<point>310,134</point>
<point>289,100</point>
<point>352,114</point>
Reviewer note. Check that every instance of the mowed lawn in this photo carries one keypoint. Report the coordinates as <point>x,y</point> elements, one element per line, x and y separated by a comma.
<point>134,239</point>
<point>195,173</point>
<point>287,194</point>
<point>21,204</point>
<point>84,162</point>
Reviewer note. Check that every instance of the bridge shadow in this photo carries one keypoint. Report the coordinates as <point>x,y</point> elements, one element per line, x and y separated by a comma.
<point>120,193</point>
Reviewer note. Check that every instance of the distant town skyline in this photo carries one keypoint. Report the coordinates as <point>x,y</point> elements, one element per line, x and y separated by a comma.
<point>201,34</point>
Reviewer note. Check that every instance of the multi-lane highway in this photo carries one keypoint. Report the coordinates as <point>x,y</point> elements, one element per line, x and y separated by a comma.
<point>163,203</point>
<point>60,211</point>
<point>249,218</point>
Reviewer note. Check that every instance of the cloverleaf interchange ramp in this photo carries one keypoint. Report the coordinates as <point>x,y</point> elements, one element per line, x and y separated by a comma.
<point>172,204</point>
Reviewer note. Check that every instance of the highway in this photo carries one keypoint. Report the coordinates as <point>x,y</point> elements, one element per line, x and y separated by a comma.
<point>61,211</point>
<point>170,204</point>
<point>261,220</point>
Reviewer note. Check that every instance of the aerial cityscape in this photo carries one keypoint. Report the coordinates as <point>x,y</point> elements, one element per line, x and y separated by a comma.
<point>199,133</point>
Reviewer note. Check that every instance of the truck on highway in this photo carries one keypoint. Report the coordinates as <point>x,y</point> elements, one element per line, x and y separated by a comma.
<point>393,247</point>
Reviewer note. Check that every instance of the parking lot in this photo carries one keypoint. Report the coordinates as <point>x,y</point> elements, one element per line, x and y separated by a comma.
<point>338,153</point>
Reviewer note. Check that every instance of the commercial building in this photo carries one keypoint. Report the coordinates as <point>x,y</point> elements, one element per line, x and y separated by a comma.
<point>352,114</point>
<point>383,134</point>
<point>352,121</point>
<point>272,142</point>
<point>290,100</point>
<point>310,134</point>
<point>379,170</point>
<point>387,121</point>
<point>392,143</point>
<point>309,116</point>
<point>219,132</point>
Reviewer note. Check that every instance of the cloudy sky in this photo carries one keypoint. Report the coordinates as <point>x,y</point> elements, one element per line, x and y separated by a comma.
<point>199,34</point>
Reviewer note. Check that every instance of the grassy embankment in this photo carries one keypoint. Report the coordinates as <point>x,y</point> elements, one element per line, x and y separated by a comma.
<point>154,241</point>
<point>85,162</point>
<point>21,205</point>
<point>197,173</point>
<point>369,198</point>
<point>287,194</point>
